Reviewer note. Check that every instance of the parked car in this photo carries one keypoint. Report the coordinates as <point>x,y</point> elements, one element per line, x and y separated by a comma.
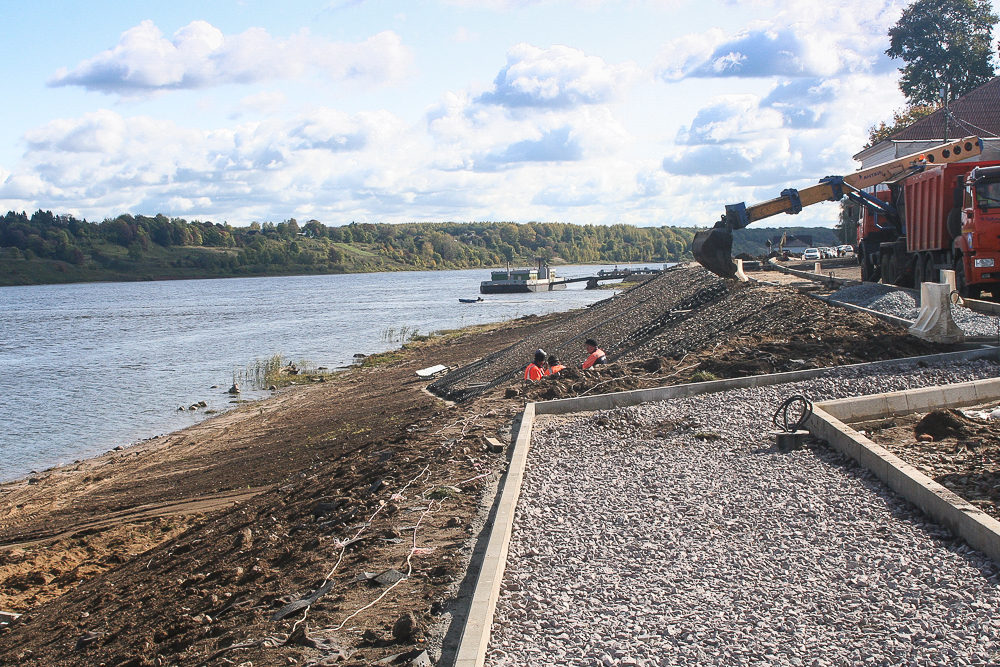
<point>811,253</point>
<point>842,250</point>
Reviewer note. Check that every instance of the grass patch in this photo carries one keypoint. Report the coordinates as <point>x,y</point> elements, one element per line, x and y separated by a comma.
<point>278,371</point>
<point>703,376</point>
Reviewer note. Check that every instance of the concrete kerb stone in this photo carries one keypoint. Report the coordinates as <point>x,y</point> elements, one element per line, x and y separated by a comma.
<point>889,319</point>
<point>883,406</point>
<point>813,276</point>
<point>967,521</point>
<point>476,635</point>
<point>638,396</point>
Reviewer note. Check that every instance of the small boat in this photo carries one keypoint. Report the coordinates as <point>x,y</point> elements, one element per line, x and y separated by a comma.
<point>471,300</point>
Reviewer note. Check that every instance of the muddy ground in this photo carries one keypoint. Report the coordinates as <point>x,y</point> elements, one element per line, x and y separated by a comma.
<point>222,543</point>
<point>960,449</point>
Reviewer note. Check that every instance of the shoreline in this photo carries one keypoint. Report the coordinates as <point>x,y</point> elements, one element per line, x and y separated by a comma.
<point>284,274</point>
<point>124,391</point>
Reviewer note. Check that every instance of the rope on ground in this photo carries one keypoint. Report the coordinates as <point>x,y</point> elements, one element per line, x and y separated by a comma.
<point>409,567</point>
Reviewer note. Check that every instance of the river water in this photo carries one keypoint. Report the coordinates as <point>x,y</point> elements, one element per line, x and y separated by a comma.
<point>88,367</point>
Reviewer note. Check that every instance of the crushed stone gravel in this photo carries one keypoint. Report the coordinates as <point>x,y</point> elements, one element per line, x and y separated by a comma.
<point>674,534</point>
<point>892,301</point>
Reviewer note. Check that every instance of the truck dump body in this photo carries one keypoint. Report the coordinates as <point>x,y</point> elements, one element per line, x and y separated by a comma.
<point>929,200</point>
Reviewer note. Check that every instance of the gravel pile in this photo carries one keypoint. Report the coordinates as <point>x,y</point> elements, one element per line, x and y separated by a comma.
<point>618,324</point>
<point>672,534</point>
<point>892,301</point>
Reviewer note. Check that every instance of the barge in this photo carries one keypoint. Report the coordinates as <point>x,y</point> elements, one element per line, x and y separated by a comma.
<point>519,281</point>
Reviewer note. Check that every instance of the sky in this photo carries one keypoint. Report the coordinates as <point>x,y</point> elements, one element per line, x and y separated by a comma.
<point>655,112</point>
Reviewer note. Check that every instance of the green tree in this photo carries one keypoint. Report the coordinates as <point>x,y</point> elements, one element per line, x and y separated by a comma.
<point>945,44</point>
<point>901,119</point>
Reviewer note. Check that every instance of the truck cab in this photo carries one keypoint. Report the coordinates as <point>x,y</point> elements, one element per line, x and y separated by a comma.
<point>977,248</point>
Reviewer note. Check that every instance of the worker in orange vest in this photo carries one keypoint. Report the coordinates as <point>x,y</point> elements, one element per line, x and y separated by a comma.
<point>597,355</point>
<point>536,369</point>
<point>554,365</point>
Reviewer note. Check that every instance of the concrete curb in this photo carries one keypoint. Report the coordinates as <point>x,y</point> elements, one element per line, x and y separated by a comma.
<point>964,519</point>
<point>627,398</point>
<point>891,319</point>
<point>815,277</point>
<point>476,635</point>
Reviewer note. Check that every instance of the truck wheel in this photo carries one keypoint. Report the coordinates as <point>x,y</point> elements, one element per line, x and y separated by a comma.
<point>960,286</point>
<point>930,275</point>
<point>889,269</point>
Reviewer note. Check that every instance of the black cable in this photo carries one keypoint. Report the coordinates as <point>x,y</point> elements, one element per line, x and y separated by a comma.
<point>784,410</point>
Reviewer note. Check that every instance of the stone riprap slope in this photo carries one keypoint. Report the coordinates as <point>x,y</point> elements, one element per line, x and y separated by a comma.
<point>642,540</point>
<point>618,324</point>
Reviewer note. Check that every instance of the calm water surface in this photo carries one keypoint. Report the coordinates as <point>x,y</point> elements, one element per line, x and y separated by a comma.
<point>88,367</point>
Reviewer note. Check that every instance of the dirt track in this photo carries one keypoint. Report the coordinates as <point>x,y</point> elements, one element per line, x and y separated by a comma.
<point>364,474</point>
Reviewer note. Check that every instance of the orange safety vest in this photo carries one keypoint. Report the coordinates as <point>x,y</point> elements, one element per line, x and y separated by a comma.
<point>533,372</point>
<point>597,356</point>
<point>555,369</point>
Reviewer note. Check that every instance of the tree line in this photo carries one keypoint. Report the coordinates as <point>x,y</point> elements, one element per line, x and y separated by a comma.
<point>159,245</point>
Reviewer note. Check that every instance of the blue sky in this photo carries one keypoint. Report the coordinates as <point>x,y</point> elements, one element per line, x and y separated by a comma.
<point>588,111</point>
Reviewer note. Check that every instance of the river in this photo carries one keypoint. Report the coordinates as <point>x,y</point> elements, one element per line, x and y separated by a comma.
<point>88,367</point>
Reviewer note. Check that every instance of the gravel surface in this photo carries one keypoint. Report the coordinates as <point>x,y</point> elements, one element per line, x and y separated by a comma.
<point>892,301</point>
<point>641,540</point>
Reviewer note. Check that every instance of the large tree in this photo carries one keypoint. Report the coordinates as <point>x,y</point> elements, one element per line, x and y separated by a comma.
<point>945,44</point>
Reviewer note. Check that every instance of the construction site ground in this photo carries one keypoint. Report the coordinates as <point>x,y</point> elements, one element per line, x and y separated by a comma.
<point>959,449</point>
<point>336,521</point>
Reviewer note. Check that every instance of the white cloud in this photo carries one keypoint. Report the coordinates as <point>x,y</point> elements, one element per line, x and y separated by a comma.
<point>553,137</point>
<point>264,102</point>
<point>104,162</point>
<point>201,56</point>
<point>803,39</point>
<point>796,133</point>
<point>560,76</point>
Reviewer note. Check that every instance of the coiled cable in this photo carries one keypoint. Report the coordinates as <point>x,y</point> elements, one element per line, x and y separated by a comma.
<point>790,407</point>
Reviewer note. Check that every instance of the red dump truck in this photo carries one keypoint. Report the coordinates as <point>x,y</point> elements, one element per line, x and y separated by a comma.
<point>945,217</point>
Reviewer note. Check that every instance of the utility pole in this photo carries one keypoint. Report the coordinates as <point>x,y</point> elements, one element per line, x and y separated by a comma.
<point>944,96</point>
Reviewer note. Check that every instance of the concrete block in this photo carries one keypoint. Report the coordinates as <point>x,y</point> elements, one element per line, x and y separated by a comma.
<point>928,398</point>
<point>873,457</point>
<point>948,278</point>
<point>858,409</point>
<point>963,393</point>
<point>987,390</point>
<point>740,275</point>
<point>896,403</point>
<point>935,323</point>
<point>906,480</point>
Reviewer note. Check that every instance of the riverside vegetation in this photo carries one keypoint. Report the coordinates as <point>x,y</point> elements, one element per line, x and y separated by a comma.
<point>46,248</point>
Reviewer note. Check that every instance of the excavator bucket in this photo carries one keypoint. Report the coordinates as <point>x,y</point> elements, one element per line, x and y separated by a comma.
<point>713,249</point>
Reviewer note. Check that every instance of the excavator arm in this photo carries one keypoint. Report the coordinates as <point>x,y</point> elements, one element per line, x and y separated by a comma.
<point>713,247</point>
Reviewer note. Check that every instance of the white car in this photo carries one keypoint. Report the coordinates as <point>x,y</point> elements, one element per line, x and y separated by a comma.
<point>811,253</point>
<point>844,249</point>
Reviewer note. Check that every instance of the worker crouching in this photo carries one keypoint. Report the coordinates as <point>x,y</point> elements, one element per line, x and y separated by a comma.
<point>597,356</point>
<point>536,370</point>
<point>554,365</point>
